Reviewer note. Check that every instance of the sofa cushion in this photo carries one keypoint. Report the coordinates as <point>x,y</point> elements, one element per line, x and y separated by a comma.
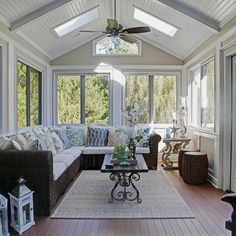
<point>75,136</point>
<point>97,150</point>
<point>142,137</point>
<point>142,150</point>
<point>29,135</point>
<point>115,137</point>
<point>75,151</point>
<point>57,142</point>
<point>58,169</point>
<point>65,158</point>
<point>46,143</point>
<point>9,144</point>
<point>62,135</point>
<point>97,137</point>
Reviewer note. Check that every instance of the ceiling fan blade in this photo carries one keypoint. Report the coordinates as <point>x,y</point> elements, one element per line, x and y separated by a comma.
<point>113,24</point>
<point>136,30</point>
<point>128,38</point>
<point>92,31</point>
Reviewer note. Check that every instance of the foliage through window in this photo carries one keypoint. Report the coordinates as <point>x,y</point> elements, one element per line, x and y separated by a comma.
<point>156,94</point>
<point>116,46</point>
<point>29,90</point>
<point>202,89</point>
<point>83,98</point>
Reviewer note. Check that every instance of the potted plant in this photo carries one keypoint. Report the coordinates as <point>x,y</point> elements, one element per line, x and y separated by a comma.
<point>121,152</point>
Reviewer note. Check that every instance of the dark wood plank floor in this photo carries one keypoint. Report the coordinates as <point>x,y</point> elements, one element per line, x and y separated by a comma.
<point>204,200</point>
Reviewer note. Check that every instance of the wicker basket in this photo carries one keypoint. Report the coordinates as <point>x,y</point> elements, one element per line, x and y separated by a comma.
<point>194,167</point>
<point>181,153</point>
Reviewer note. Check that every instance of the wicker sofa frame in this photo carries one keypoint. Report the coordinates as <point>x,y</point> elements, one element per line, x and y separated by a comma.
<point>37,168</point>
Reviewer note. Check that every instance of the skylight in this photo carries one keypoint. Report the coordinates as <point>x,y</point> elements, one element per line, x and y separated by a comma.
<point>154,22</point>
<point>77,22</point>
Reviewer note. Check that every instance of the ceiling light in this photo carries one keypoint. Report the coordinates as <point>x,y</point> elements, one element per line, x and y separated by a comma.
<point>77,22</point>
<point>154,22</point>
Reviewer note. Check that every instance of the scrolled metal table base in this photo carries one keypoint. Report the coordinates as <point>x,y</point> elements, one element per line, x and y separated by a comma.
<point>125,180</point>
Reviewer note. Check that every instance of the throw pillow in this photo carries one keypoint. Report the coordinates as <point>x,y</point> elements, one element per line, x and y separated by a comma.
<point>62,135</point>
<point>46,143</point>
<point>75,136</point>
<point>97,137</point>
<point>142,137</point>
<point>29,135</point>
<point>115,137</point>
<point>57,142</point>
<point>8,144</point>
<point>26,145</point>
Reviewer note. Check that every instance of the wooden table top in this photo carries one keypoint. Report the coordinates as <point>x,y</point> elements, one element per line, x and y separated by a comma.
<point>140,167</point>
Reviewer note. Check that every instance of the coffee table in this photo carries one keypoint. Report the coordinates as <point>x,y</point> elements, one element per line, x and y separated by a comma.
<point>124,177</point>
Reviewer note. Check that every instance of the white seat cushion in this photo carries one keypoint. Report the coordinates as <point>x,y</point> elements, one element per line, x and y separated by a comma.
<point>142,150</point>
<point>98,150</point>
<point>75,151</point>
<point>58,169</point>
<point>67,159</point>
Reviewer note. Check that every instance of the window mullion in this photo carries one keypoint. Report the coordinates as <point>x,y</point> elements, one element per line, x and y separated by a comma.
<point>40,97</point>
<point>82,98</point>
<point>151,96</point>
<point>28,96</point>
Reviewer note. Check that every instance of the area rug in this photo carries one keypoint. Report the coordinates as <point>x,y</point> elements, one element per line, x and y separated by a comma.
<point>88,199</point>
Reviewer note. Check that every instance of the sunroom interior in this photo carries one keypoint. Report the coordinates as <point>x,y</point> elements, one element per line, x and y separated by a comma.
<point>60,65</point>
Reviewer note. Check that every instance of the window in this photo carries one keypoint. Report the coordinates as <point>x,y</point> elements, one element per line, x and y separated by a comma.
<point>83,98</point>
<point>202,89</point>
<point>156,94</point>
<point>29,95</point>
<point>116,46</point>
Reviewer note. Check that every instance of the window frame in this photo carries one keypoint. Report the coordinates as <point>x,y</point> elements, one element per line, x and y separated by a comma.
<point>40,95</point>
<point>151,76</point>
<point>190,97</point>
<point>82,94</point>
<point>139,42</point>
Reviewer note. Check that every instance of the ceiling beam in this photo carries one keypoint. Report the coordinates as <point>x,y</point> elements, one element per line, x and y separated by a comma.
<point>37,13</point>
<point>191,12</point>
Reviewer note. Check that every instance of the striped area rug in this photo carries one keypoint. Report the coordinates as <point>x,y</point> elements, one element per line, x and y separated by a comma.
<point>88,199</point>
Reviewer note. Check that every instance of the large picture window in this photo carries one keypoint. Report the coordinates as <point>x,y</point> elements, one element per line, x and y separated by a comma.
<point>29,95</point>
<point>202,93</point>
<point>83,98</point>
<point>156,94</point>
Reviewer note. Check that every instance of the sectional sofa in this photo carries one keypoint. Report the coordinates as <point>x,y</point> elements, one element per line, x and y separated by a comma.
<point>49,174</point>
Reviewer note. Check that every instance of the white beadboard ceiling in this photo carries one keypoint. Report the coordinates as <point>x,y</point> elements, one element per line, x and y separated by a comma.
<point>190,16</point>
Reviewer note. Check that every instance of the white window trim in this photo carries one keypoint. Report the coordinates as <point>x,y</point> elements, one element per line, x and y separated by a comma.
<point>190,78</point>
<point>80,72</point>
<point>139,42</point>
<point>178,91</point>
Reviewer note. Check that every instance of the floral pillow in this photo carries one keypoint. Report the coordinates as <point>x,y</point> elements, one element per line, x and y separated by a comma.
<point>142,137</point>
<point>46,143</point>
<point>62,135</point>
<point>75,136</point>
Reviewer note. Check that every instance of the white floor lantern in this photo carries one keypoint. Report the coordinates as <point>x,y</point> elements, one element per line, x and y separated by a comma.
<point>21,203</point>
<point>3,217</point>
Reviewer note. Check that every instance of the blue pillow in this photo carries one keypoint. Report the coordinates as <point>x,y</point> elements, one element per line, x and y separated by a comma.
<point>75,136</point>
<point>142,137</point>
<point>62,135</point>
<point>97,137</point>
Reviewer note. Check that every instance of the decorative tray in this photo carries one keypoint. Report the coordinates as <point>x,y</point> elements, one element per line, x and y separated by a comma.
<point>130,161</point>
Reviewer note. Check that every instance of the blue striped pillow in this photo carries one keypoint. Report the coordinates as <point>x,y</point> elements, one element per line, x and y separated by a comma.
<point>97,137</point>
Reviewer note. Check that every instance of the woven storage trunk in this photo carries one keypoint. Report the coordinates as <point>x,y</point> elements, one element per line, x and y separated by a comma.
<point>180,157</point>
<point>194,167</point>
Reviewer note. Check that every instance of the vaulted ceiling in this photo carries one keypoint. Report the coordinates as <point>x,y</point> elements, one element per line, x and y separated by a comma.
<point>34,20</point>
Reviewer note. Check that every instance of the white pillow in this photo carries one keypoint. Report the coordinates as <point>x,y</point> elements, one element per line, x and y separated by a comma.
<point>8,144</point>
<point>26,145</point>
<point>57,142</point>
<point>115,137</point>
<point>29,135</point>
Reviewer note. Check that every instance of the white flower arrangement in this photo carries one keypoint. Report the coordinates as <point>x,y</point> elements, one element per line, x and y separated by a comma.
<point>132,114</point>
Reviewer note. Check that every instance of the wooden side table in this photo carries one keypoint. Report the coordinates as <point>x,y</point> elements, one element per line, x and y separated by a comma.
<point>173,145</point>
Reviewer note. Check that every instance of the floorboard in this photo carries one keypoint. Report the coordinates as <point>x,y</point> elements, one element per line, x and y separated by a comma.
<point>204,201</point>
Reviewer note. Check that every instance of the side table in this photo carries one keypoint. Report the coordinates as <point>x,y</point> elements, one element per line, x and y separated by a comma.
<point>173,145</point>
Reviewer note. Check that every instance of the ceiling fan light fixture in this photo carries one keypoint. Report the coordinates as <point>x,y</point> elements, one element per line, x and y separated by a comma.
<point>155,22</point>
<point>77,22</point>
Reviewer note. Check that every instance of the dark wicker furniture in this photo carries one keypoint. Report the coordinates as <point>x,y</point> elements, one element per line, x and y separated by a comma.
<point>37,168</point>
<point>180,157</point>
<point>195,167</point>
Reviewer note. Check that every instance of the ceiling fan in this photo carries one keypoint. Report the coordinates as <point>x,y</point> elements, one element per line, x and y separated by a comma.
<point>114,29</point>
